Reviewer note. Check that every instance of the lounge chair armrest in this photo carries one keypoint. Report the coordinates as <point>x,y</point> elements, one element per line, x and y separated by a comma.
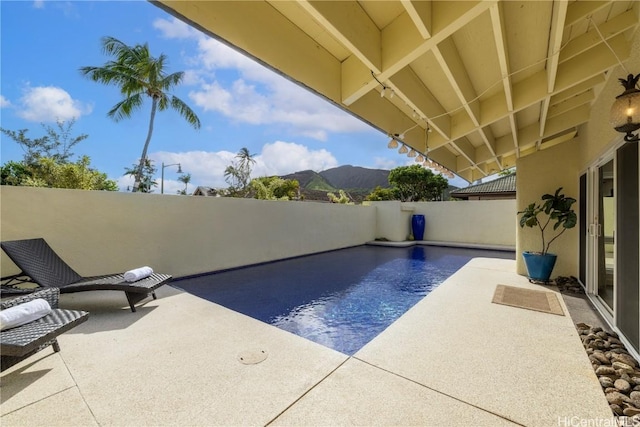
<point>51,295</point>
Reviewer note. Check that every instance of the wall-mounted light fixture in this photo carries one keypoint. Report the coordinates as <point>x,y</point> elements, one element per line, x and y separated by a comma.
<point>625,111</point>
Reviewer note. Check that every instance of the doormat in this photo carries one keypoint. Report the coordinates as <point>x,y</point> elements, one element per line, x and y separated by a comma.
<point>546,302</point>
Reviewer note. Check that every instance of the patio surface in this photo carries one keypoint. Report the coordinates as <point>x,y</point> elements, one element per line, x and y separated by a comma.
<point>454,359</point>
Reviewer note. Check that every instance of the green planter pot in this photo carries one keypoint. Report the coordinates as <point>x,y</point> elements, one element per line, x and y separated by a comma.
<point>539,266</point>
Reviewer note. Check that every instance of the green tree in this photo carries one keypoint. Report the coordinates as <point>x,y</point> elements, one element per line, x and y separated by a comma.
<point>138,74</point>
<point>342,198</point>
<point>415,183</point>
<point>238,174</point>
<point>380,194</point>
<point>507,172</point>
<point>51,173</point>
<point>275,188</point>
<point>185,179</point>
<point>56,144</point>
<point>14,173</point>
<point>146,180</point>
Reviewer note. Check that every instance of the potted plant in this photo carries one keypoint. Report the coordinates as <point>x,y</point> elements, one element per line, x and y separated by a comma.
<point>557,208</point>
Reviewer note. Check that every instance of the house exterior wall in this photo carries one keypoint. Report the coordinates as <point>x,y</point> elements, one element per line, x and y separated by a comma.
<point>598,133</point>
<point>563,165</point>
<point>541,173</point>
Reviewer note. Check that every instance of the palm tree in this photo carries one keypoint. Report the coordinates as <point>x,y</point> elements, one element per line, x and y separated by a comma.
<point>185,179</point>
<point>238,174</point>
<point>137,73</point>
<point>245,159</point>
<point>146,179</point>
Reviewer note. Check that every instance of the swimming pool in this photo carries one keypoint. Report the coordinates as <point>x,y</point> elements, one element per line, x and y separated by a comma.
<point>341,299</point>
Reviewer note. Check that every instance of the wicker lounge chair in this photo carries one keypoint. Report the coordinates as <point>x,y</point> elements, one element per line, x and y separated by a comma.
<point>43,266</point>
<point>16,344</point>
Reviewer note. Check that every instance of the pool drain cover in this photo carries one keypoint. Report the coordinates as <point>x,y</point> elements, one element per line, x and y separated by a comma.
<point>252,357</point>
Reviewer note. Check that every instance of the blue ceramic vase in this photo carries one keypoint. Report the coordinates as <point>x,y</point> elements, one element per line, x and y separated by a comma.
<point>417,227</point>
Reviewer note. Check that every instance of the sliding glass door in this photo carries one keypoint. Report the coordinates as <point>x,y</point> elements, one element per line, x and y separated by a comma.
<point>605,233</point>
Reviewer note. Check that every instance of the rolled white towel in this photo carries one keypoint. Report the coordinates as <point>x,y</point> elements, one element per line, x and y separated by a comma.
<point>24,313</point>
<point>138,273</point>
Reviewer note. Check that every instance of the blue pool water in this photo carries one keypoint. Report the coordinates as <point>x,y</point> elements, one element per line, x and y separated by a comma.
<point>340,299</point>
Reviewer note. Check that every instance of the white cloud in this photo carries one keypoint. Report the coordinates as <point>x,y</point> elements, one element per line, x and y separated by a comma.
<point>207,168</point>
<point>281,158</point>
<point>4,102</point>
<point>385,163</point>
<point>38,4</point>
<point>259,96</point>
<point>125,182</point>
<point>285,104</point>
<point>174,29</point>
<point>49,104</point>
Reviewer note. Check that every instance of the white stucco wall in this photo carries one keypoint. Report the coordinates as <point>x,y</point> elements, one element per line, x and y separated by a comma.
<point>485,222</point>
<point>104,232</point>
<point>543,173</point>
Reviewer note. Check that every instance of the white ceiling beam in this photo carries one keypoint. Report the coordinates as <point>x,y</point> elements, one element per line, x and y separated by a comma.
<point>465,149</point>
<point>555,41</point>
<point>571,103</point>
<point>586,85</point>
<point>509,161</point>
<point>411,89</point>
<point>579,10</point>
<point>314,66</point>
<point>402,42</point>
<point>466,175</point>
<point>504,146</point>
<point>529,135</point>
<point>447,56</point>
<point>463,164</point>
<point>500,39</point>
<point>595,60</point>
<point>348,23</point>
<point>609,29</point>
<point>445,158</point>
<point>558,16</point>
<point>568,135</point>
<point>421,14</point>
<point>483,154</point>
<point>570,73</point>
<point>567,120</point>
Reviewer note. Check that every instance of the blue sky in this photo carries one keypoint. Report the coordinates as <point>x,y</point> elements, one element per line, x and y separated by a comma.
<point>239,102</point>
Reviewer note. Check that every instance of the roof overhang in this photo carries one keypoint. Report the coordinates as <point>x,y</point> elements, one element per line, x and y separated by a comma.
<point>493,80</point>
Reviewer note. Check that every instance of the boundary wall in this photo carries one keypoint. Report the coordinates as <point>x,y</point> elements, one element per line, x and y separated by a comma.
<point>479,222</point>
<point>103,232</point>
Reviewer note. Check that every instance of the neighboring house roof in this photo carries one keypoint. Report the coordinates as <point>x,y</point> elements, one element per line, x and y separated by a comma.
<point>504,186</point>
<point>205,191</point>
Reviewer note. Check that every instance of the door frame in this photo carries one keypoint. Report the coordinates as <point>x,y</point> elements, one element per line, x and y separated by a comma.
<point>592,250</point>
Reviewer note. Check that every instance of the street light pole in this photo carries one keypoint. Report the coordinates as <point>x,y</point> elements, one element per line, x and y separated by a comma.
<point>162,174</point>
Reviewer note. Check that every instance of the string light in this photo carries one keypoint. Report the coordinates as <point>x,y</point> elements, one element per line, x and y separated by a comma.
<point>403,149</point>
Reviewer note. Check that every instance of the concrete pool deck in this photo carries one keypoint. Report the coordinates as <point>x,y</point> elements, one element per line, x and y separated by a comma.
<point>455,358</point>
